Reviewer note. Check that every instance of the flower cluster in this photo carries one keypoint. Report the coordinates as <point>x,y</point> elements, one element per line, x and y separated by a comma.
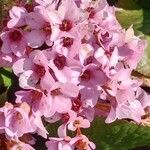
<point>74,62</point>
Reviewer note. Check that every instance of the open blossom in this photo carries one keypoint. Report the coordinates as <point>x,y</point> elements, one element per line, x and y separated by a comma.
<point>14,118</point>
<point>7,60</point>
<point>17,15</point>
<point>8,144</point>
<point>64,69</point>
<point>67,143</point>
<point>79,122</point>
<point>71,67</point>
<point>37,100</point>
<point>32,70</point>
<point>41,27</point>
<point>13,42</point>
<point>61,96</point>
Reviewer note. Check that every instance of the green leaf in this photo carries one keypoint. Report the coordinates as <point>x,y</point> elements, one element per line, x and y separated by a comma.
<point>5,75</point>
<point>135,12</point>
<point>6,79</point>
<point>144,3</point>
<point>120,135</point>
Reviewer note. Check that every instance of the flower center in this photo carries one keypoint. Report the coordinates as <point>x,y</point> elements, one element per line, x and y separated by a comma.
<point>91,12</point>
<point>86,75</point>
<point>81,145</point>
<point>65,117</point>
<point>60,62</point>
<point>76,104</point>
<point>66,25</point>
<point>36,95</point>
<point>76,123</point>
<point>47,29</point>
<point>56,92</point>
<point>15,36</point>
<point>19,116</point>
<point>89,60</point>
<point>105,35</point>
<point>40,70</point>
<point>6,144</point>
<point>29,50</point>
<point>67,42</point>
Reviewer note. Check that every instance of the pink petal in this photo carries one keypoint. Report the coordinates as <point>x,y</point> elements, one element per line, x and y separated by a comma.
<point>35,42</point>
<point>21,66</point>
<point>70,90</point>
<point>62,131</point>
<point>17,12</point>
<point>62,104</point>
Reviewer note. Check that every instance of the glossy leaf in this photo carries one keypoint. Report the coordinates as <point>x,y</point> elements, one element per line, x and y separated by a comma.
<point>120,135</point>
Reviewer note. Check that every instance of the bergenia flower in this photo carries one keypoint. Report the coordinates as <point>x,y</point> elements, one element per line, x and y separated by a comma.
<point>17,15</point>
<point>13,42</point>
<point>33,70</point>
<point>74,62</point>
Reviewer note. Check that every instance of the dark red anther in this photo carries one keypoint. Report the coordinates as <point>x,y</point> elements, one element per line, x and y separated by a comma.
<point>56,92</point>
<point>19,116</point>
<point>60,62</point>
<point>36,95</point>
<point>65,117</point>
<point>81,145</point>
<point>89,60</point>
<point>29,50</point>
<point>108,53</point>
<point>15,36</point>
<point>106,35</point>
<point>66,25</point>
<point>84,40</point>
<point>47,29</point>
<point>67,41</point>
<point>86,75</point>
<point>91,12</point>
<point>40,70</point>
<point>76,104</point>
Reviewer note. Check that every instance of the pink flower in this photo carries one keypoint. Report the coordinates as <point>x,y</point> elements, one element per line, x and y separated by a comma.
<point>66,143</point>
<point>79,122</point>
<point>69,44</point>
<point>65,69</point>
<point>61,96</point>
<point>92,75</point>
<point>7,60</point>
<point>17,15</point>
<point>72,67</point>
<point>143,97</point>
<point>15,119</point>
<point>59,144</point>
<point>37,124</point>
<point>132,49</point>
<point>33,70</point>
<point>66,118</point>
<point>13,42</point>
<point>38,101</point>
<point>41,27</point>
